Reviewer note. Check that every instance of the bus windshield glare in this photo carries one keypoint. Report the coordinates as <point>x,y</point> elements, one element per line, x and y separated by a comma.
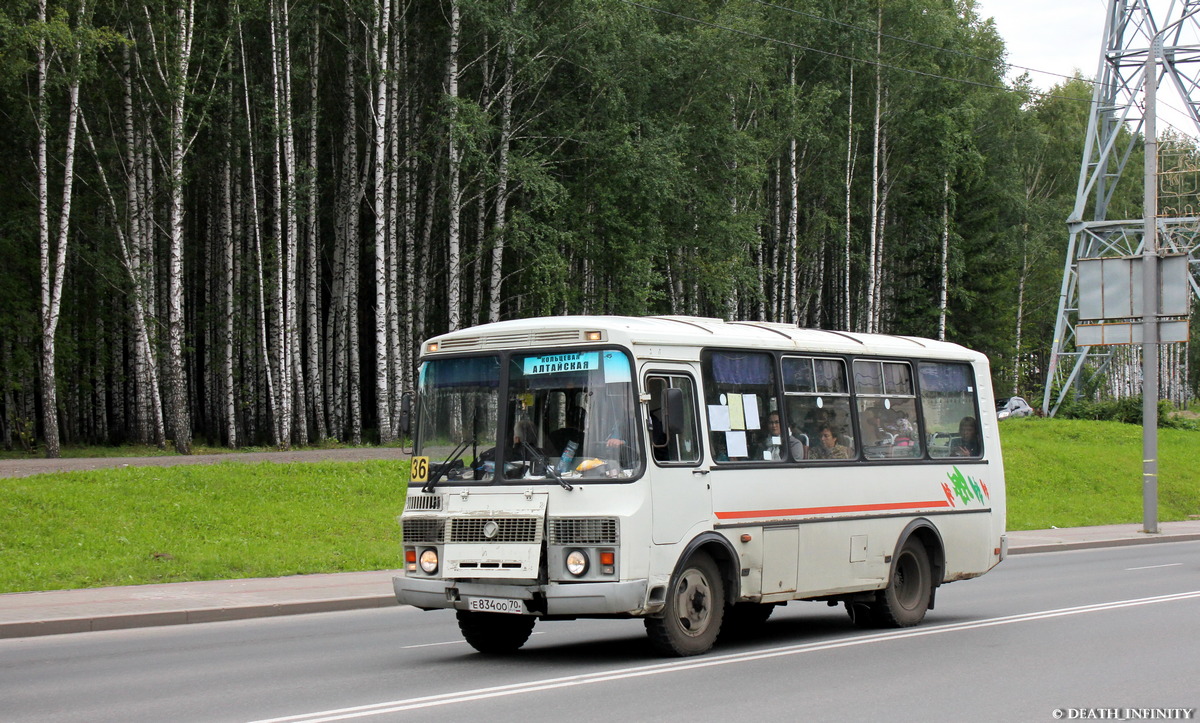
<point>570,413</point>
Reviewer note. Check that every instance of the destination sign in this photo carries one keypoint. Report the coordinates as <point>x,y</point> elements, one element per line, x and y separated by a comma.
<point>553,363</point>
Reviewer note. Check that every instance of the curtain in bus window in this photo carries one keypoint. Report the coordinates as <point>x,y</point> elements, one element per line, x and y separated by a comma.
<point>867,378</point>
<point>831,376</point>
<point>728,368</point>
<point>798,375</point>
<point>897,378</point>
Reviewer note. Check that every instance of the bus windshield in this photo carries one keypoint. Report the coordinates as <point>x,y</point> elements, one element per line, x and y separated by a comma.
<point>566,415</point>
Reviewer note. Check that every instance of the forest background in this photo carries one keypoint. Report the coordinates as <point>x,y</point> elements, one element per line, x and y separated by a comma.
<point>236,221</point>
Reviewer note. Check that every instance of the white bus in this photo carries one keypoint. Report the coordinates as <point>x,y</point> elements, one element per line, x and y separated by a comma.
<point>694,473</point>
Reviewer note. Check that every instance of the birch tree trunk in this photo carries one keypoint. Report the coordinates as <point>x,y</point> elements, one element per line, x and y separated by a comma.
<point>880,273</point>
<point>793,222</point>
<point>453,262</point>
<point>47,322</point>
<point>297,421</point>
<point>315,357</point>
<point>229,415</point>
<point>53,257</point>
<point>500,224</point>
<point>1016,379</point>
<point>395,347</point>
<point>180,416</point>
<point>382,58</point>
<point>151,424</point>
<point>945,276</point>
<point>256,234</point>
<point>411,330</point>
<point>845,315</point>
<point>872,278</point>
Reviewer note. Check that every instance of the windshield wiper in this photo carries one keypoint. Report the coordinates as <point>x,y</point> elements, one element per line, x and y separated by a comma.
<point>550,470</point>
<point>445,467</point>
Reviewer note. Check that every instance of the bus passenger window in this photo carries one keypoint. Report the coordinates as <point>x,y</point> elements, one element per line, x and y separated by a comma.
<point>818,407</point>
<point>887,409</point>
<point>951,410</point>
<point>739,396</point>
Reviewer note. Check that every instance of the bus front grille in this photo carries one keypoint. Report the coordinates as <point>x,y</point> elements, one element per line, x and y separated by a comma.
<point>495,529</point>
<point>423,530</point>
<point>584,531</point>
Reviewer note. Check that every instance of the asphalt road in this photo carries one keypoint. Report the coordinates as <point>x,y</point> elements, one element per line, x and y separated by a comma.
<point>1106,630</point>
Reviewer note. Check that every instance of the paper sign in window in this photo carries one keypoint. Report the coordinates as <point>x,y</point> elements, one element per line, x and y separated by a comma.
<point>750,405</point>
<point>735,444</point>
<point>737,415</point>
<point>718,417</point>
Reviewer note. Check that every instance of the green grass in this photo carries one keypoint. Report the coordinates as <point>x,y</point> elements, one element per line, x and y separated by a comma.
<point>137,525</point>
<point>1074,473</point>
<point>140,525</point>
<point>76,451</point>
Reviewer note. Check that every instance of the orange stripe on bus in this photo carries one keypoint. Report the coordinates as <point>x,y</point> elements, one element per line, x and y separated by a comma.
<point>744,514</point>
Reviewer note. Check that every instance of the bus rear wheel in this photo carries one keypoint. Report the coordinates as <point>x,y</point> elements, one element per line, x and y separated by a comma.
<point>495,633</point>
<point>905,600</point>
<point>694,611</point>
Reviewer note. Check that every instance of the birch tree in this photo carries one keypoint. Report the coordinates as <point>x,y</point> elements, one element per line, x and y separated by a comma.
<point>52,254</point>
<point>382,60</point>
<point>454,154</point>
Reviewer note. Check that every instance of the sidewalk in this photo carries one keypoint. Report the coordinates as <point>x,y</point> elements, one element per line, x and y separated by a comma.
<point>111,608</point>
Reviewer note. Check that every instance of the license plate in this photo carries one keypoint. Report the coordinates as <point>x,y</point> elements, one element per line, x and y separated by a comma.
<point>495,605</point>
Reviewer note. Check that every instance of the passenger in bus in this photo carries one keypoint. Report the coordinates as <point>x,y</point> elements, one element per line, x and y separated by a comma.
<point>873,433</point>
<point>775,434</point>
<point>967,444</point>
<point>827,446</point>
<point>899,424</point>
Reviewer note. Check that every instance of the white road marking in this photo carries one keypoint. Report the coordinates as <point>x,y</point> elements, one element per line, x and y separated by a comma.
<point>1153,567</point>
<point>397,706</point>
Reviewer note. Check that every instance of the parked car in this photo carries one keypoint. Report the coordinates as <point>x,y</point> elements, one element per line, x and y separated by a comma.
<point>1013,407</point>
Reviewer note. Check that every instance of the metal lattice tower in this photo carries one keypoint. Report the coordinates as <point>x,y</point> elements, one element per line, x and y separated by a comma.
<point>1131,30</point>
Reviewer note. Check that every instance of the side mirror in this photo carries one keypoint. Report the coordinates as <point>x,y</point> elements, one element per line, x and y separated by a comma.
<point>406,413</point>
<point>673,406</point>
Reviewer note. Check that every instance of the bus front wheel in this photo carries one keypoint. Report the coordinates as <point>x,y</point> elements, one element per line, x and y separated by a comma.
<point>694,611</point>
<point>495,633</point>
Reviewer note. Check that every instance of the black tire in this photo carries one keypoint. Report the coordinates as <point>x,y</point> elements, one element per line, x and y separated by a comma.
<point>695,608</point>
<point>745,618</point>
<point>495,633</point>
<point>905,600</point>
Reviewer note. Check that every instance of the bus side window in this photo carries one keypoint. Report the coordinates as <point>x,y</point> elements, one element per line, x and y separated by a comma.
<point>951,410</point>
<point>673,439</point>
<point>740,393</point>
<point>887,409</point>
<point>818,397</point>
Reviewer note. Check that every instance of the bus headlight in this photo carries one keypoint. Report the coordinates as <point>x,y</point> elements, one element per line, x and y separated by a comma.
<point>577,562</point>
<point>429,561</point>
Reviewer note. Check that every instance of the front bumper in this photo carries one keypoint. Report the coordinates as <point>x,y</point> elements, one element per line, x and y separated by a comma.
<point>575,599</point>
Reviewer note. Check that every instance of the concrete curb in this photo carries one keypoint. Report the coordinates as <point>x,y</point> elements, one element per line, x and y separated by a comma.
<point>1090,544</point>
<point>126,621</point>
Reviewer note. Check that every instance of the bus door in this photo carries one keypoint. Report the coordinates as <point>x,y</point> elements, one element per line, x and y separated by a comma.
<point>679,487</point>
